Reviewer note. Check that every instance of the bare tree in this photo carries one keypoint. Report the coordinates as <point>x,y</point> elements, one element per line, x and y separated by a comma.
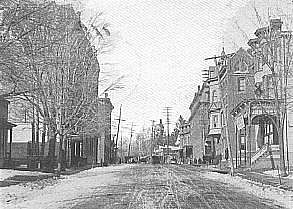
<point>53,65</point>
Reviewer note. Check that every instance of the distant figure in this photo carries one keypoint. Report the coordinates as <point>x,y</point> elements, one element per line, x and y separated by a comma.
<point>199,161</point>
<point>226,154</point>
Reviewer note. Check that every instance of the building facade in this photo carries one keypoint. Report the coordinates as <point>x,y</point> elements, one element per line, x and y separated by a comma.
<point>236,84</point>
<point>96,148</point>
<point>268,113</point>
<point>250,103</point>
<point>5,134</point>
<point>185,144</point>
<point>199,122</point>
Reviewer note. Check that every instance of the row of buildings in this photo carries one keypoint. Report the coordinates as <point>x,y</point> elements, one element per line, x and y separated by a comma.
<point>244,106</point>
<point>79,149</point>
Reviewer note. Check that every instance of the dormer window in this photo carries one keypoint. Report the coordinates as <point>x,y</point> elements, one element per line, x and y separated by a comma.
<point>1,15</point>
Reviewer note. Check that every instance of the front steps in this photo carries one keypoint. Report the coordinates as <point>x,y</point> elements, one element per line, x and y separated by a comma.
<point>264,161</point>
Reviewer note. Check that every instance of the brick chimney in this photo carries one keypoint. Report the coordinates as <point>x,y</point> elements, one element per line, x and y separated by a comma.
<point>276,24</point>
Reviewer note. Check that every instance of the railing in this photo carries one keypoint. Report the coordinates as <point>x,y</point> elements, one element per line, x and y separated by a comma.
<point>259,153</point>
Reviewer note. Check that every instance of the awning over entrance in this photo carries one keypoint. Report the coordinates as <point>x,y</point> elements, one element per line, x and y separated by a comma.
<point>75,138</point>
<point>215,131</point>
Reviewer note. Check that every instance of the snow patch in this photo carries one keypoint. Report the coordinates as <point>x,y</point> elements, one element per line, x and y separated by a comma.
<point>7,173</point>
<point>279,196</point>
<point>63,192</point>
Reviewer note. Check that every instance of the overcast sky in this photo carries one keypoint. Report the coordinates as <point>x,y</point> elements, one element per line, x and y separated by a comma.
<point>160,46</point>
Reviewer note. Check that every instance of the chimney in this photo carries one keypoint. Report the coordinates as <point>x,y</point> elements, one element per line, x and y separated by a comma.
<point>106,95</point>
<point>276,24</point>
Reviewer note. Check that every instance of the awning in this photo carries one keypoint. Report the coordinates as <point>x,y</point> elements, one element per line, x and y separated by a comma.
<point>6,124</point>
<point>74,137</point>
<point>215,131</point>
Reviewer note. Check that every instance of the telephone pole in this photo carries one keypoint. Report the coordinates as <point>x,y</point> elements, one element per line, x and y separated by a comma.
<point>167,109</point>
<point>131,133</point>
<point>118,128</point>
<point>121,148</point>
<point>152,140</point>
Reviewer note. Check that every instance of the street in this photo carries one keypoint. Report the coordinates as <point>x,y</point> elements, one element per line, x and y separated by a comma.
<point>169,186</point>
<point>146,104</point>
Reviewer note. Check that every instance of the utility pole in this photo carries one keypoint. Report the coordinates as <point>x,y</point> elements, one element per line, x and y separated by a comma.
<point>33,130</point>
<point>131,132</point>
<point>168,131</point>
<point>118,128</point>
<point>152,140</point>
<point>229,144</point>
<point>121,148</point>
<point>286,69</point>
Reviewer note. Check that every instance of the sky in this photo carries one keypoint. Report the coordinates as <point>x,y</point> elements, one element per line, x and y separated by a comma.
<point>160,47</point>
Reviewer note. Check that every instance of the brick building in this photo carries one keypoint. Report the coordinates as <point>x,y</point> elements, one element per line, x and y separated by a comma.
<point>95,148</point>
<point>236,84</point>
<point>199,122</point>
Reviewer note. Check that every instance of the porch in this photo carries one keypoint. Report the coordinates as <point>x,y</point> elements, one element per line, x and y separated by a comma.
<point>5,146</point>
<point>256,142</point>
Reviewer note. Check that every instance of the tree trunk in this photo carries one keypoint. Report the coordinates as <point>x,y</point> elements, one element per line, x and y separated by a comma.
<point>38,134</point>
<point>52,145</point>
<point>281,146</point>
<point>60,154</point>
<point>42,153</point>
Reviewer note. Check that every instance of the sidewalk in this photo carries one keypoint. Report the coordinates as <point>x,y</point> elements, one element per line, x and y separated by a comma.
<point>258,176</point>
<point>265,179</point>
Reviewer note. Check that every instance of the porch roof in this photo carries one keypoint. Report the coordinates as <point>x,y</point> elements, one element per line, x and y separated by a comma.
<point>243,103</point>
<point>215,131</point>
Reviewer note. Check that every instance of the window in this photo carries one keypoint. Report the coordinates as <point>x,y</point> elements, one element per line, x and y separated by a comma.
<point>208,147</point>
<point>223,119</point>
<point>242,142</point>
<point>225,100</point>
<point>270,87</point>
<point>214,96</point>
<point>217,139</point>
<point>215,120</point>
<point>241,84</point>
<point>207,96</point>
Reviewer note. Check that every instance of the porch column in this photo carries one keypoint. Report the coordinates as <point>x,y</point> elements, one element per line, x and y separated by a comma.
<point>96,150</point>
<point>77,147</point>
<point>275,136</point>
<point>237,140</point>
<point>10,143</point>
